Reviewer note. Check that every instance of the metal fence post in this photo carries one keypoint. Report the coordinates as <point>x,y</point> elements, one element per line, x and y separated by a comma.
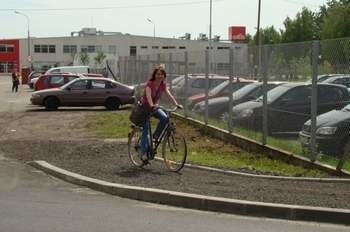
<point>206,86</point>
<point>186,85</point>
<point>230,104</point>
<point>315,55</point>
<point>264,70</point>
<point>171,70</point>
<point>125,75</point>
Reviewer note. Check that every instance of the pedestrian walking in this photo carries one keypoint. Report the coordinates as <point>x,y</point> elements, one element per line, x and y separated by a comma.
<point>15,81</point>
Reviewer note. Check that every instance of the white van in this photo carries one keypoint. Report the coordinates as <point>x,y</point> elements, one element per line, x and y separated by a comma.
<point>68,69</point>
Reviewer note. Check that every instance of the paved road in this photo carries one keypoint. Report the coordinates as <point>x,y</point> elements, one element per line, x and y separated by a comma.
<point>33,201</point>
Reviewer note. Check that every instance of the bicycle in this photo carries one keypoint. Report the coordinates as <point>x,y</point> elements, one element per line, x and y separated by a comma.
<point>174,146</point>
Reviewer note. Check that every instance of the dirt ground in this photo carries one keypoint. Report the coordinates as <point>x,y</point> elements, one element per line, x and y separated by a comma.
<point>30,133</point>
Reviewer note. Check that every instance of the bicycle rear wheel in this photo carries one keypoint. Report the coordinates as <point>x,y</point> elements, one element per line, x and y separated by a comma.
<point>134,147</point>
<point>174,151</point>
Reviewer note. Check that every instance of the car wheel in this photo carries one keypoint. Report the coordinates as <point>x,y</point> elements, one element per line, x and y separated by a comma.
<point>112,104</point>
<point>51,103</point>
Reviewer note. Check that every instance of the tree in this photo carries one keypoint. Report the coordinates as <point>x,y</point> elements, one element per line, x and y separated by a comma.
<point>99,58</point>
<point>269,35</point>
<point>302,28</point>
<point>84,58</point>
<point>336,23</point>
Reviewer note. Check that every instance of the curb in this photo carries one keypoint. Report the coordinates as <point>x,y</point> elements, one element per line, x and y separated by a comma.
<point>201,202</point>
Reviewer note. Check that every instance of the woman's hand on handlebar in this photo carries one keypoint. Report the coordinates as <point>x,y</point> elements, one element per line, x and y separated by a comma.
<point>179,106</point>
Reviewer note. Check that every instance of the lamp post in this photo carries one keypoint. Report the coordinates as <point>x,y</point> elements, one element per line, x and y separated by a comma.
<point>28,22</point>
<point>258,37</point>
<point>210,32</point>
<point>154,27</point>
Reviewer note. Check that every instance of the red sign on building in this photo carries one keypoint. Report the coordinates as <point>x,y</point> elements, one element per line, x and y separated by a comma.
<point>236,34</point>
<point>9,55</point>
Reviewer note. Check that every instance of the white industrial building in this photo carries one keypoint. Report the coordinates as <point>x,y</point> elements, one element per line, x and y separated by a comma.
<point>61,51</point>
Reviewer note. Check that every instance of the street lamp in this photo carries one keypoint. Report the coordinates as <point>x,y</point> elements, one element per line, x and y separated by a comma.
<point>28,21</point>
<point>258,36</point>
<point>210,32</point>
<point>154,27</point>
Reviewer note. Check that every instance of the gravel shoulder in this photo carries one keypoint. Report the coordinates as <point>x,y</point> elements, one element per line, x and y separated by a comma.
<point>62,139</point>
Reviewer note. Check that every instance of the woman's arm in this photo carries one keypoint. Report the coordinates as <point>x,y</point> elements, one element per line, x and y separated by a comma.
<point>171,97</point>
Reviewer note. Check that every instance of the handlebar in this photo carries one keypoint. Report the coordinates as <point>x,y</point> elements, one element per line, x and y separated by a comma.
<point>169,110</point>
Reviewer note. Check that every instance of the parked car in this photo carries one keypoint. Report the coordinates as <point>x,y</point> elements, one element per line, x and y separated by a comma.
<point>332,132</point>
<point>31,76</point>
<point>55,80</point>
<point>218,107</point>
<point>196,84</point>
<point>324,77</point>
<point>221,90</point>
<point>69,69</point>
<point>289,106</point>
<point>340,80</point>
<point>86,91</point>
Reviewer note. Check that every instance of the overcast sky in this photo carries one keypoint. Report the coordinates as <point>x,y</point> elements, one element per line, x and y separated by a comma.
<point>172,18</point>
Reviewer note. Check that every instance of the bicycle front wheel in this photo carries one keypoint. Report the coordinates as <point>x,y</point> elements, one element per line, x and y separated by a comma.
<point>174,151</point>
<point>134,146</point>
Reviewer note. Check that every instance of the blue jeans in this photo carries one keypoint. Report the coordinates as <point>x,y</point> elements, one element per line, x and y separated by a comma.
<point>163,120</point>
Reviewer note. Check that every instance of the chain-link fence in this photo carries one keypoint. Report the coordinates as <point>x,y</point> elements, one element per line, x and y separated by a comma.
<point>291,96</point>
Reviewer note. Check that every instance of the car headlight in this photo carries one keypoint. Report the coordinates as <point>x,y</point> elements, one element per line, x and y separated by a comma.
<point>326,130</point>
<point>36,95</point>
<point>246,113</point>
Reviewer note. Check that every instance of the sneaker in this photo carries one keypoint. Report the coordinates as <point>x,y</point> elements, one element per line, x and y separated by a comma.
<point>144,159</point>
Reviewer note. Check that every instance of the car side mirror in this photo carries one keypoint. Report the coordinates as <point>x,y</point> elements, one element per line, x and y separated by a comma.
<point>68,88</point>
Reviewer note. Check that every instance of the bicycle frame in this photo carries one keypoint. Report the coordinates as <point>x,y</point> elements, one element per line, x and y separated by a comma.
<point>154,146</point>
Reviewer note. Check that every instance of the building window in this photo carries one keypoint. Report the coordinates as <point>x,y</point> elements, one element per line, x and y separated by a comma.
<point>112,49</point>
<point>91,49</point>
<point>69,48</point>
<point>6,48</point>
<point>133,50</point>
<point>144,47</point>
<point>182,47</point>
<point>84,49</point>
<point>44,48</point>
<point>172,47</point>
<point>52,48</point>
<point>165,47</point>
<point>155,47</point>
<point>221,48</point>
<point>37,48</point>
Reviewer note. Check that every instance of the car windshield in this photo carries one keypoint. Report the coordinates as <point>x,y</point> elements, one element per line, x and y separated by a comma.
<point>245,90</point>
<point>177,80</point>
<point>217,89</point>
<point>275,93</point>
<point>67,84</point>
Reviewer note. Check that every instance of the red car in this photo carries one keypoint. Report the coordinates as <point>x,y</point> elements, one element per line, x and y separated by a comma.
<point>55,80</point>
<point>222,90</point>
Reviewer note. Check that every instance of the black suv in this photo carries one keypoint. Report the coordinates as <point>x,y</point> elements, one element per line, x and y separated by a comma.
<point>289,106</point>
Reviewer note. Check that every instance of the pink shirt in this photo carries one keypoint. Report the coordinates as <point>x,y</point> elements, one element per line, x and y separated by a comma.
<point>155,93</point>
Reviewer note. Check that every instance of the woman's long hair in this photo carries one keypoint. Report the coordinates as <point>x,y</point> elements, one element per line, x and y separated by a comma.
<point>156,70</point>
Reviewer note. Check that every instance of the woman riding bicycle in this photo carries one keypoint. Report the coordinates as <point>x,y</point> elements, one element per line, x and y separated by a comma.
<point>150,100</point>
